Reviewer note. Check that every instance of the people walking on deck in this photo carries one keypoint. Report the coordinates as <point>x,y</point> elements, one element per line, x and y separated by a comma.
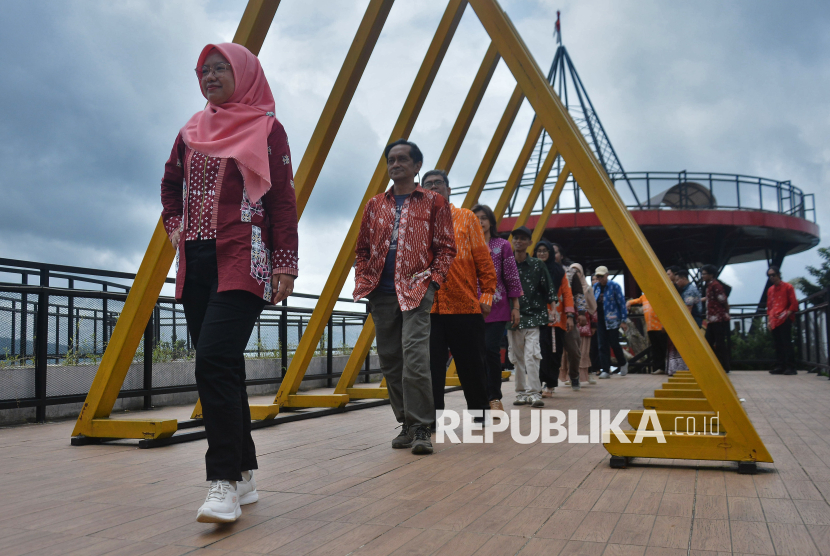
<point>611,312</point>
<point>561,335</point>
<point>781,309</point>
<point>404,250</point>
<point>657,336</point>
<point>717,314</point>
<point>691,297</point>
<point>538,291</point>
<point>459,309</point>
<point>229,209</point>
<point>505,308</point>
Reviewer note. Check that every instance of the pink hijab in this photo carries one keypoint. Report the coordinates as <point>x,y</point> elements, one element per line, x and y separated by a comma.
<point>239,128</point>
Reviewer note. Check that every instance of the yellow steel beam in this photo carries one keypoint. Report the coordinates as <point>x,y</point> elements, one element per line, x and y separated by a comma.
<point>129,329</point>
<point>744,442</point>
<point>539,229</point>
<point>677,404</point>
<point>538,185</point>
<point>494,148</point>
<point>121,428</point>
<point>255,22</point>
<point>515,178</point>
<point>339,99</point>
<point>468,109</point>
<point>406,120</point>
<point>356,357</point>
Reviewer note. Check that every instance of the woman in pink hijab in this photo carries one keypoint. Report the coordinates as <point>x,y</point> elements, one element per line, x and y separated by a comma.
<point>230,212</point>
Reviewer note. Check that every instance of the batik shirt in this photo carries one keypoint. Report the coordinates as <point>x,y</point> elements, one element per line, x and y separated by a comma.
<point>537,292</point>
<point>508,284</point>
<point>717,307</point>
<point>780,299</point>
<point>426,245</point>
<point>205,198</point>
<point>471,268</point>
<point>613,304</point>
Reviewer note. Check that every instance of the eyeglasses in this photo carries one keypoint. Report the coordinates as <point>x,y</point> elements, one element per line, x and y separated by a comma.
<point>773,275</point>
<point>218,69</point>
<point>434,183</point>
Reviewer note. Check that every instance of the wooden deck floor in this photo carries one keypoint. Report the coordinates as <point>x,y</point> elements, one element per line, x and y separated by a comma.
<point>333,486</point>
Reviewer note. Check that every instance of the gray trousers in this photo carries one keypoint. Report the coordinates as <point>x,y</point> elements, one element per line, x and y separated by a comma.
<point>403,352</point>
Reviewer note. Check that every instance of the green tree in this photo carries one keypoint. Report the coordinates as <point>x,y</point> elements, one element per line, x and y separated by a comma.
<point>821,275</point>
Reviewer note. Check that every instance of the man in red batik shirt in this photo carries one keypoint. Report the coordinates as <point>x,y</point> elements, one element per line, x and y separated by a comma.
<point>781,308</point>
<point>404,250</point>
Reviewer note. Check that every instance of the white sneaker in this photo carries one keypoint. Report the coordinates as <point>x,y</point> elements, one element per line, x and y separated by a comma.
<point>605,375</point>
<point>521,399</point>
<point>591,379</point>
<point>537,401</point>
<point>221,504</point>
<point>246,490</point>
<point>658,372</point>
<point>567,383</point>
<point>624,370</point>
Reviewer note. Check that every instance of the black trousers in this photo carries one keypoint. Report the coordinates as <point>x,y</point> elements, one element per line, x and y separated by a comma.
<point>659,344</point>
<point>717,334</point>
<point>463,335</point>
<point>782,335</point>
<point>552,361</point>
<point>220,325</point>
<point>493,333</point>
<point>608,338</point>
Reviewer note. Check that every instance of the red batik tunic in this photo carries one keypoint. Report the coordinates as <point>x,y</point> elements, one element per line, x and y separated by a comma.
<point>426,245</point>
<point>780,299</point>
<point>205,197</point>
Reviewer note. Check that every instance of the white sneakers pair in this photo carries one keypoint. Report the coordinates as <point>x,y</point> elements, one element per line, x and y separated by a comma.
<point>224,499</point>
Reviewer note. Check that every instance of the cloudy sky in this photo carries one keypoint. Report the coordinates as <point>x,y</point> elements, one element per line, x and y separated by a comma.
<point>97,91</point>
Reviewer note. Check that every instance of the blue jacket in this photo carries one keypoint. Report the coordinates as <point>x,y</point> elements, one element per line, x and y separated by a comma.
<point>613,304</point>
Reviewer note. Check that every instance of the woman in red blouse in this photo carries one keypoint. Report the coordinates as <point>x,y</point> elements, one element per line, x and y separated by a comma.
<point>230,212</point>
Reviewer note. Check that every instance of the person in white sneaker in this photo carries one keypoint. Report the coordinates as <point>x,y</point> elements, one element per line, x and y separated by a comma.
<point>224,499</point>
<point>611,311</point>
<point>236,147</point>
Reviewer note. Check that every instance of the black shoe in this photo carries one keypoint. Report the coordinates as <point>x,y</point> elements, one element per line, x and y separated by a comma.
<point>403,440</point>
<point>421,443</point>
<point>790,372</point>
<point>777,372</point>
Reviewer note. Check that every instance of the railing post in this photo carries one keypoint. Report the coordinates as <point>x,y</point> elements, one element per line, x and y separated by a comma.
<point>329,366</point>
<point>808,345</point>
<point>827,328</point>
<point>799,344</point>
<point>284,337</point>
<point>368,363</point>
<point>41,346</point>
<point>148,362</point>
<point>104,318</point>
<point>24,320</point>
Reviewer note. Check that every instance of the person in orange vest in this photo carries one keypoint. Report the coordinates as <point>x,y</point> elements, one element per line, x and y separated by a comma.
<point>656,334</point>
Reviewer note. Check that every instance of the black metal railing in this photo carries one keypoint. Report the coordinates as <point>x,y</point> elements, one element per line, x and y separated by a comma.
<point>52,338</point>
<point>694,190</point>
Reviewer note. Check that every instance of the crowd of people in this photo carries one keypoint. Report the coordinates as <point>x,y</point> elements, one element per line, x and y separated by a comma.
<point>439,280</point>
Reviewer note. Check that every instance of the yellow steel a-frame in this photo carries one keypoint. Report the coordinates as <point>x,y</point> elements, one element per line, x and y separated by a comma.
<point>706,382</point>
